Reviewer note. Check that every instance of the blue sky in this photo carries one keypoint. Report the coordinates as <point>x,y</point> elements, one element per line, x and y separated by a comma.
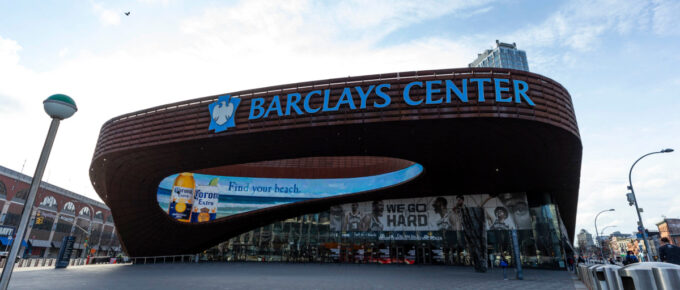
<point>618,59</point>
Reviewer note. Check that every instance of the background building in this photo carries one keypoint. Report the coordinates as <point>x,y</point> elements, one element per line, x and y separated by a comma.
<point>670,228</point>
<point>56,213</point>
<point>585,239</point>
<point>505,55</point>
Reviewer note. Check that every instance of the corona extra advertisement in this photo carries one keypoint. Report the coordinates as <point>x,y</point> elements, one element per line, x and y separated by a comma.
<point>193,197</point>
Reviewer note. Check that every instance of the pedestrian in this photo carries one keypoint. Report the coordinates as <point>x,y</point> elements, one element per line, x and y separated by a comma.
<point>581,260</point>
<point>504,266</point>
<point>630,258</point>
<point>668,252</point>
<point>570,263</point>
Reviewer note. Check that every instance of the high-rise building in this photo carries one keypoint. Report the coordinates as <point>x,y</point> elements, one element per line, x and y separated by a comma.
<point>585,239</point>
<point>505,55</point>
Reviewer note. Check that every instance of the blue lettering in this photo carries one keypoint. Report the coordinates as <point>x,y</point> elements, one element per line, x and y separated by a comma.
<point>407,90</point>
<point>309,109</point>
<point>451,86</point>
<point>383,95</point>
<point>256,104</point>
<point>521,92</point>
<point>429,91</point>
<point>293,103</point>
<point>500,90</point>
<point>345,98</point>
<point>480,87</point>
<point>364,95</point>
<point>326,99</point>
<point>274,105</point>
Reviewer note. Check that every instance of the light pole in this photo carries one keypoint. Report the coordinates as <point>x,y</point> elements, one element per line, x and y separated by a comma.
<point>596,232</point>
<point>610,246</point>
<point>633,199</point>
<point>58,107</point>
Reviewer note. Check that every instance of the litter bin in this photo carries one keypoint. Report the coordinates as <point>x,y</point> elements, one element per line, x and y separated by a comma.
<point>667,276</point>
<point>608,277</point>
<point>641,276</point>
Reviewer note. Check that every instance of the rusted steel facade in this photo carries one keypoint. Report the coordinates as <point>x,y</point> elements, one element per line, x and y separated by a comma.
<point>465,147</point>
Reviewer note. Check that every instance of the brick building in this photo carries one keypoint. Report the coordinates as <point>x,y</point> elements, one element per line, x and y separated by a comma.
<point>670,228</point>
<point>56,213</point>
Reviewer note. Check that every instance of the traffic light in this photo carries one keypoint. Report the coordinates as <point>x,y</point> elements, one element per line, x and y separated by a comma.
<point>39,219</point>
<point>631,198</point>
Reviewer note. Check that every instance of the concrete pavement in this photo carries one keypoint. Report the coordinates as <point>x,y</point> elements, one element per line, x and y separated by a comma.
<point>285,276</point>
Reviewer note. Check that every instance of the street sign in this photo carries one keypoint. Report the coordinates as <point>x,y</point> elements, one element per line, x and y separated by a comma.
<point>65,252</point>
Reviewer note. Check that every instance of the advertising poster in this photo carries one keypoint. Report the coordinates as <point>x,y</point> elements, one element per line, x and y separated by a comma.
<point>192,197</point>
<point>437,213</point>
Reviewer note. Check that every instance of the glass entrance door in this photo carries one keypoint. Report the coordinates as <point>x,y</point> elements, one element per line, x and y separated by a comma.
<point>423,255</point>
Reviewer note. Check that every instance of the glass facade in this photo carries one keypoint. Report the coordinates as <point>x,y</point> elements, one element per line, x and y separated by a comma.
<point>503,56</point>
<point>318,238</point>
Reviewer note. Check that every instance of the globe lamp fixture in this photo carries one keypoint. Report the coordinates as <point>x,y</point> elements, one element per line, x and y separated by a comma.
<point>60,106</point>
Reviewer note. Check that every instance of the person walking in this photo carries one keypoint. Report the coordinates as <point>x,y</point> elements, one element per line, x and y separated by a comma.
<point>570,263</point>
<point>630,258</point>
<point>504,266</point>
<point>668,252</point>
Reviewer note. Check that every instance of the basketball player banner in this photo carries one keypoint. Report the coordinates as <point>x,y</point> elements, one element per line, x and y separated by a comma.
<point>502,212</point>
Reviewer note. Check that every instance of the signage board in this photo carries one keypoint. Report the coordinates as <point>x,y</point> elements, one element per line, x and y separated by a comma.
<point>65,252</point>
<point>6,231</point>
<point>223,110</point>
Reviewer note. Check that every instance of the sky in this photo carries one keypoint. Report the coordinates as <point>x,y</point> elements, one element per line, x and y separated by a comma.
<point>619,61</point>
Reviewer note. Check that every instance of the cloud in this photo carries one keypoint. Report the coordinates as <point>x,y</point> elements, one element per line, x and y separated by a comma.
<point>579,25</point>
<point>666,20</point>
<point>245,45</point>
<point>107,17</point>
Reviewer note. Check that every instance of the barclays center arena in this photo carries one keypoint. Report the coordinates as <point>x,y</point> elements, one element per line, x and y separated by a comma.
<point>454,166</point>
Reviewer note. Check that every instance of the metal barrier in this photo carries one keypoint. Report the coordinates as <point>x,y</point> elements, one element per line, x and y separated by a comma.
<point>667,276</point>
<point>650,275</point>
<point>593,282</point>
<point>608,277</point>
<point>164,259</point>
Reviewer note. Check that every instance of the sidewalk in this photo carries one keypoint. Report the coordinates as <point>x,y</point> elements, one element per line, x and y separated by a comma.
<point>285,276</point>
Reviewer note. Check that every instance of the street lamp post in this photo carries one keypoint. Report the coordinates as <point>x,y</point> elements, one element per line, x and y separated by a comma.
<point>641,227</point>
<point>596,232</point>
<point>58,107</point>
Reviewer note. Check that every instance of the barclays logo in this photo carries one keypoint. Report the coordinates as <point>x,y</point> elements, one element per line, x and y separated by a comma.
<point>222,113</point>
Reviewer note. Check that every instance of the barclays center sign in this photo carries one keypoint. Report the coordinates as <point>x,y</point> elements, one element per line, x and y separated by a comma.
<point>222,112</point>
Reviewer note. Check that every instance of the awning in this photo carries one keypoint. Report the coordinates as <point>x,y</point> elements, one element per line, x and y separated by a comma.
<point>8,241</point>
<point>40,243</point>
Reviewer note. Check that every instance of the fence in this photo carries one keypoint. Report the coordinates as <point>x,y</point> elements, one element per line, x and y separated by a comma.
<point>164,259</point>
<point>50,262</point>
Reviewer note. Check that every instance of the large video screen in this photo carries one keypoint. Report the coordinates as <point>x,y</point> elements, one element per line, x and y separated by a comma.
<point>193,197</point>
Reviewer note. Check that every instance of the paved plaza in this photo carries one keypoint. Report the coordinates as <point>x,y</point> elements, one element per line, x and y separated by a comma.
<point>284,276</point>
